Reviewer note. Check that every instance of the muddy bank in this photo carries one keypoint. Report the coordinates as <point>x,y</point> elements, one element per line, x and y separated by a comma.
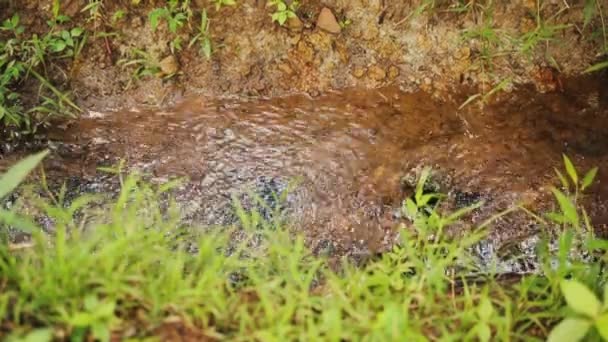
<point>355,155</point>
<point>363,43</point>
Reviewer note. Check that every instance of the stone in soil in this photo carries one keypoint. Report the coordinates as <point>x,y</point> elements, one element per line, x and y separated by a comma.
<point>327,21</point>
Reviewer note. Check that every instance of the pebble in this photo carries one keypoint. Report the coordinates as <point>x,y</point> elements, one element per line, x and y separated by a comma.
<point>327,21</point>
<point>169,66</point>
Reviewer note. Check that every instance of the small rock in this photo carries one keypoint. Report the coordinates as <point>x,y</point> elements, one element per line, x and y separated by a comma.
<point>295,24</point>
<point>393,72</point>
<point>358,72</point>
<point>328,22</point>
<point>376,73</point>
<point>169,66</point>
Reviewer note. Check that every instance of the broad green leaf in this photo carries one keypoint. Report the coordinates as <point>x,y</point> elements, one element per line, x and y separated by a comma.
<point>567,207</point>
<point>101,332</point>
<point>569,330</point>
<point>588,179</point>
<point>410,208</point>
<point>82,319</point>
<point>76,32</point>
<point>601,324</point>
<point>485,309</point>
<point>484,332</point>
<point>39,335</point>
<point>570,169</point>
<point>16,174</point>
<point>580,299</point>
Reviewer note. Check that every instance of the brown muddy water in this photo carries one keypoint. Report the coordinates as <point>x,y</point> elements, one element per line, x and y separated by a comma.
<point>355,155</point>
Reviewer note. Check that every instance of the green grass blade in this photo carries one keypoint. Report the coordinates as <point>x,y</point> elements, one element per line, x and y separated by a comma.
<point>16,174</point>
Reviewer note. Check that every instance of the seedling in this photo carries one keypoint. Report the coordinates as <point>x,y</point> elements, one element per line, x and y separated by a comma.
<point>203,37</point>
<point>283,11</point>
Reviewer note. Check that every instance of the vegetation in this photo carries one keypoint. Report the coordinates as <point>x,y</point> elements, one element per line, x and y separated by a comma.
<point>127,267</point>
<point>283,11</point>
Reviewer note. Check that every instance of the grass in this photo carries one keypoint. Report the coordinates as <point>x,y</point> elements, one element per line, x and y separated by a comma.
<point>125,267</point>
<point>25,56</point>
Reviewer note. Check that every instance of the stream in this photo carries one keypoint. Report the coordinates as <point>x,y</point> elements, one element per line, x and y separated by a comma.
<point>352,156</point>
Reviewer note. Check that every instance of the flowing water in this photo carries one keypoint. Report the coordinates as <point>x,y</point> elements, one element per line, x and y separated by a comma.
<point>354,155</point>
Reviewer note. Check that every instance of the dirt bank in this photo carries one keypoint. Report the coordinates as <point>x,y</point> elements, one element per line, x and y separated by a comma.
<point>433,46</point>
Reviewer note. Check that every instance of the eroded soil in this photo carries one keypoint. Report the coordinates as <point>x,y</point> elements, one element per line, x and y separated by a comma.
<point>379,43</point>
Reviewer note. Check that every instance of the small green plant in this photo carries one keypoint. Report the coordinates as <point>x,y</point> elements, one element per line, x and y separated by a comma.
<point>544,32</point>
<point>175,19</point>
<point>345,23</point>
<point>588,313</point>
<point>143,64</point>
<point>21,57</point>
<point>203,37</point>
<point>283,11</point>
<point>220,3</point>
<point>95,10</point>
<point>484,98</point>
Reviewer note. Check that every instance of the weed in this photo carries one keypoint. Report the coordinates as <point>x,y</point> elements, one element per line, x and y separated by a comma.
<point>203,37</point>
<point>544,32</point>
<point>94,8</point>
<point>485,97</point>
<point>144,63</point>
<point>588,312</point>
<point>20,57</point>
<point>110,260</point>
<point>283,11</point>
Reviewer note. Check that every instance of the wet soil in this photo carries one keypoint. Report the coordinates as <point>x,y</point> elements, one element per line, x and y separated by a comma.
<point>356,155</point>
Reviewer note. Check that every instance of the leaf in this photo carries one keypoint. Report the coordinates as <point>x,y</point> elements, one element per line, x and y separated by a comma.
<point>39,335</point>
<point>206,48</point>
<point>485,309</point>
<point>484,332</point>
<point>580,299</point>
<point>469,100</point>
<point>562,179</point>
<point>76,32</point>
<point>589,12</point>
<point>101,332</point>
<point>17,173</point>
<point>605,306</point>
<point>82,319</point>
<point>420,185</point>
<point>570,169</point>
<point>569,330</point>
<point>589,177</point>
<point>596,67</point>
<point>410,208</point>
<point>155,16</point>
<point>601,324</point>
<point>567,207</point>
<point>22,223</point>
